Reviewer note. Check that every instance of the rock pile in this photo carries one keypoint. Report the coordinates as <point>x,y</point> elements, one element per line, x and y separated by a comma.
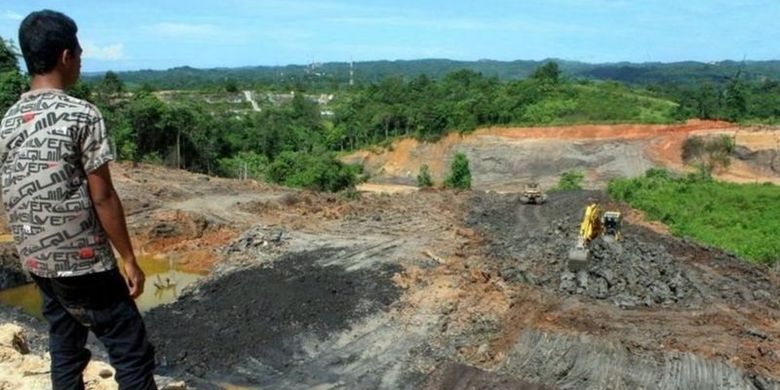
<point>530,244</point>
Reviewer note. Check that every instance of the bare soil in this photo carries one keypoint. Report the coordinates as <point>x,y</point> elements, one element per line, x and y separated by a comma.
<point>649,310</point>
<point>482,283</point>
<point>504,158</point>
<point>440,289</point>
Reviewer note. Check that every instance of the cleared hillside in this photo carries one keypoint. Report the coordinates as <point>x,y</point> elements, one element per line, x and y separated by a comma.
<point>504,158</point>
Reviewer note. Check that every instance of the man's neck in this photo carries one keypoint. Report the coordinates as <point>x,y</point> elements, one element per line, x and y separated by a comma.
<point>47,81</point>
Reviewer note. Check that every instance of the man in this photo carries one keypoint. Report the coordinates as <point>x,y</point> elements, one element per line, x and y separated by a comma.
<point>62,210</point>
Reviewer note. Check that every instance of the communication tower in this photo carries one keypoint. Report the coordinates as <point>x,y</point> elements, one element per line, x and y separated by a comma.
<point>351,73</point>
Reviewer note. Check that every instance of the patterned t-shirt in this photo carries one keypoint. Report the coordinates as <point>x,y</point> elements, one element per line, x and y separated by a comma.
<point>49,142</point>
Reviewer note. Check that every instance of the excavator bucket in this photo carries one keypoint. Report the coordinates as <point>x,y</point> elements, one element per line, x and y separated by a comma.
<point>590,228</point>
<point>578,259</point>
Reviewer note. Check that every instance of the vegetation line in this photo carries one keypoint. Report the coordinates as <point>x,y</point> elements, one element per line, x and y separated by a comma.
<point>741,218</point>
<point>292,129</point>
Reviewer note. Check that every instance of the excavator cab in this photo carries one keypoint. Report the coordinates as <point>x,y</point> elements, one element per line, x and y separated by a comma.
<point>612,221</point>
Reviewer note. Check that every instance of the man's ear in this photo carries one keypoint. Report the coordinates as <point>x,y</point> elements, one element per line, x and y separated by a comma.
<point>66,57</point>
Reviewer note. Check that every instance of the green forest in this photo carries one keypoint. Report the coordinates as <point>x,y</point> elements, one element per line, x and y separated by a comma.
<point>295,136</point>
<point>295,139</point>
<point>335,75</point>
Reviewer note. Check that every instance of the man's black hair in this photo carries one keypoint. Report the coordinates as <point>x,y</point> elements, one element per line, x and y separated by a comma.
<point>43,35</point>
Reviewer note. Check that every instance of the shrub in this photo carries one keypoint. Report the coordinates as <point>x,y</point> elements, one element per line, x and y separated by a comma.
<point>316,172</point>
<point>548,111</point>
<point>123,136</point>
<point>460,175</point>
<point>153,158</point>
<point>692,148</point>
<point>424,177</point>
<point>708,154</point>
<point>657,173</point>
<point>249,165</point>
<point>12,84</point>
<point>352,194</point>
<point>570,180</point>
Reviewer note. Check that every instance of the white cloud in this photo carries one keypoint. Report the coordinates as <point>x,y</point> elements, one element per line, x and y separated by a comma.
<point>112,52</point>
<point>11,15</point>
<point>183,30</point>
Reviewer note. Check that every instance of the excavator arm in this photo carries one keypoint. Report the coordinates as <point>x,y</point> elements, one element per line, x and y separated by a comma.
<point>590,228</point>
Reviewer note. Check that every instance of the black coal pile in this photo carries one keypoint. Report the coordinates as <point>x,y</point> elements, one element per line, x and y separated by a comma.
<point>260,314</point>
<point>530,244</point>
<point>631,273</point>
<point>459,376</point>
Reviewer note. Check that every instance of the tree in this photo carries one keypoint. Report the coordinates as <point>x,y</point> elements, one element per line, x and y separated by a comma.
<point>707,101</point>
<point>81,90</point>
<point>124,137</point>
<point>548,72</point>
<point>231,86</point>
<point>460,174</point>
<point>424,177</point>
<point>244,165</point>
<point>317,172</point>
<point>305,111</point>
<point>8,57</point>
<point>112,84</point>
<point>145,113</point>
<point>178,120</point>
<point>146,88</point>
<point>736,100</point>
<point>12,83</point>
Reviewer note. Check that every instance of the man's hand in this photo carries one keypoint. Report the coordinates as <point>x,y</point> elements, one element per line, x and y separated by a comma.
<point>135,278</point>
<point>112,218</point>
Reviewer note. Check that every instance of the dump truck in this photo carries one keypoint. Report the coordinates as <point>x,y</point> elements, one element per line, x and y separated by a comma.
<point>532,193</point>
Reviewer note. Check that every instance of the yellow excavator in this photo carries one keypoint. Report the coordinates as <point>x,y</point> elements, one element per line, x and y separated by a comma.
<point>594,224</point>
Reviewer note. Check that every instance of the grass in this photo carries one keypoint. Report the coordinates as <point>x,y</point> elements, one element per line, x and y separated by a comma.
<point>741,218</point>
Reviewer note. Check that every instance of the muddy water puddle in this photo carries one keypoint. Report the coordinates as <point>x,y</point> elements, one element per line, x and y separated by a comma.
<point>164,284</point>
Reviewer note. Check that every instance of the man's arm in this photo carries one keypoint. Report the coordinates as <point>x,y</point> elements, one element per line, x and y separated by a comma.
<point>112,217</point>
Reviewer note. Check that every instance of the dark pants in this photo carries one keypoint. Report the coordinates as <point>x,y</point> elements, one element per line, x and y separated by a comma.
<point>100,303</point>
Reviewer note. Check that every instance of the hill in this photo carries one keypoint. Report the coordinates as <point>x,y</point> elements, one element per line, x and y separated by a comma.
<point>337,73</point>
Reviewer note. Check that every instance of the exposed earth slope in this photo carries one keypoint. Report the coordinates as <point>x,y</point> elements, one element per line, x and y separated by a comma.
<point>439,289</point>
<point>502,159</point>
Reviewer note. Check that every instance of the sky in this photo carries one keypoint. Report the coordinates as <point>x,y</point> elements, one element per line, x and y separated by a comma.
<point>160,34</point>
